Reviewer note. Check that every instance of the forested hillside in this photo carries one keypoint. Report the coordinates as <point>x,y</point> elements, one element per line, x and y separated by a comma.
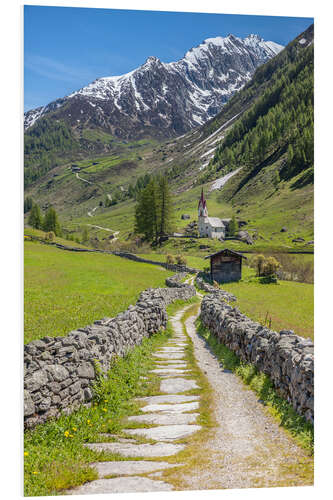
<point>279,122</point>
<point>43,144</point>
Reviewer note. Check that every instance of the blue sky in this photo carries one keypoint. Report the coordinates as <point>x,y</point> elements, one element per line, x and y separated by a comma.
<point>66,48</point>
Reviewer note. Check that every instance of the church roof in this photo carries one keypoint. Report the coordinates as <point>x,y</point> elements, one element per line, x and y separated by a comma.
<point>202,200</point>
<point>215,222</point>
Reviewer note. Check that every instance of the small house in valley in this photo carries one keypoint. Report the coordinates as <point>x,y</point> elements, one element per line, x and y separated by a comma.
<point>226,265</point>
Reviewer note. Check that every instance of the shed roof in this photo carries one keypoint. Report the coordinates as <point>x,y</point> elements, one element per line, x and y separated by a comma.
<point>226,251</point>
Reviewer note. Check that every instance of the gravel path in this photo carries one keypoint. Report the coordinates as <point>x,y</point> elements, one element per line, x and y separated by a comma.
<point>245,448</point>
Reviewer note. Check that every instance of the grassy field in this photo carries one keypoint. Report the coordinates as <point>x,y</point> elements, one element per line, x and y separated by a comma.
<point>65,290</point>
<point>288,304</point>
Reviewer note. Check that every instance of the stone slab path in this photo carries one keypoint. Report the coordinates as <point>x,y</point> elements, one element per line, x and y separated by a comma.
<point>245,447</point>
<point>171,416</point>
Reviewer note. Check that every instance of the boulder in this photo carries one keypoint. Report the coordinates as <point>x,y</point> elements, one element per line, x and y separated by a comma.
<point>185,216</point>
<point>244,236</point>
<point>298,240</point>
<point>283,229</point>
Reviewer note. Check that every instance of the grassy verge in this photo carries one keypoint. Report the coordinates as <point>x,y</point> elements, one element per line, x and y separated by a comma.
<point>261,384</point>
<point>67,290</point>
<point>55,457</point>
<point>286,305</point>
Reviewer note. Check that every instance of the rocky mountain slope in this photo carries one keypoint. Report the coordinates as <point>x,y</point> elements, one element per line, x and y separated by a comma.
<point>163,99</point>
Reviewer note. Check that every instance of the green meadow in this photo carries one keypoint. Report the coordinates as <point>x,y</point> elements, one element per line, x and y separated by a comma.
<point>67,290</point>
<point>282,306</point>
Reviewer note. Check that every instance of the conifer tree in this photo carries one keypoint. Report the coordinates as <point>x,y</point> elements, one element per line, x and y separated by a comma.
<point>51,222</point>
<point>165,225</point>
<point>153,217</point>
<point>35,218</point>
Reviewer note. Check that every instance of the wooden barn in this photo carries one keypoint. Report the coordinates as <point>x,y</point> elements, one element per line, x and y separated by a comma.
<point>226,265</point>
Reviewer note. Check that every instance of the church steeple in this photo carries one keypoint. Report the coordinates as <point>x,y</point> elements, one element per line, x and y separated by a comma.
<point>202,206</point>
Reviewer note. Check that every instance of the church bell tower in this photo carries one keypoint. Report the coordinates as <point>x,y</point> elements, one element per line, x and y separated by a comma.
<point>202,207</point>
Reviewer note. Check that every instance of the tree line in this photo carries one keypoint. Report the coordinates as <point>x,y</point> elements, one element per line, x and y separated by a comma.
<point>47,222</point>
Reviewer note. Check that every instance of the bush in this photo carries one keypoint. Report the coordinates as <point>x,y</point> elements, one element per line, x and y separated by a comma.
<point>49,236</point>
<point>170,259</point>
<point>270,267</point>
<point>180,260</point>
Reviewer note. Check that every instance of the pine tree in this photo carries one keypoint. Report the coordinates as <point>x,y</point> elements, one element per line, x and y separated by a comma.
<point>35,218</point>
<point>28,202</point>
<point>51,222</point>
<point>233,226</point>
<point>153,211</point>
<point>85,235</point>
<point>165,205</point>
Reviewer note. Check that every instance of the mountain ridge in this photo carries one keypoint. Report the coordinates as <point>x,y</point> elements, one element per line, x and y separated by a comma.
<point>163,99</point>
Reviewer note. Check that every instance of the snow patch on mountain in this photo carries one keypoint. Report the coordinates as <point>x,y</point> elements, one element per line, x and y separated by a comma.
<point>171,97</point>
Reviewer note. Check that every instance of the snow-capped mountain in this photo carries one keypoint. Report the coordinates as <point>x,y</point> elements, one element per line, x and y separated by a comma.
<point>164,99</point>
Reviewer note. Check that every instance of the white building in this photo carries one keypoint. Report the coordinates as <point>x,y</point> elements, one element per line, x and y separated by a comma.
<point>209,227</point>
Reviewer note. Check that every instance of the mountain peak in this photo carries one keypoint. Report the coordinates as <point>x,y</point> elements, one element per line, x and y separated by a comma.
<point>165,98</point>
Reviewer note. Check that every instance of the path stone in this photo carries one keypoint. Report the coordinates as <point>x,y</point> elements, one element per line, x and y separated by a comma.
<point>138,450</point>
<point>175,408</point>
<point>127,467</point>
<point>171,355</point>
<point>172,362</point>
<point>165,418</point>
<point>122,485</point>
<point>170,349</point>
<point>171,398</point>
<point>175,385</point>
<point>166,432</point>
<point>167,371</point>
<point>168,365</point>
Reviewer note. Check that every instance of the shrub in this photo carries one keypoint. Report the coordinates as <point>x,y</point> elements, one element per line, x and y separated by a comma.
<point>180,260</point>
<point>170,259</point>
<point>49,236</point>
<point>270,267</point>
<point>215,284</point>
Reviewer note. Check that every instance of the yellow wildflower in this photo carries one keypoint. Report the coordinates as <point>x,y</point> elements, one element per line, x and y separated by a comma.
<point>104,409</point>
<point>71,435</point>
<point>35,472</point>
<point>66,434</point>
<point>26,453</point>
<point>74,429</point>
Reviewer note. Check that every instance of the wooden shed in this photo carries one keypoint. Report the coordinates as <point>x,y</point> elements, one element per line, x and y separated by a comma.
<point>226,265</point>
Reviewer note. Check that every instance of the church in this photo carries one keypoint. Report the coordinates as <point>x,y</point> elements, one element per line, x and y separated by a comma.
<point>209,227</point>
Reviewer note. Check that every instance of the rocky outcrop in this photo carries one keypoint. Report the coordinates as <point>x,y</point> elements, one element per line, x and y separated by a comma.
<point>287,358</point>
<point>59,371</point>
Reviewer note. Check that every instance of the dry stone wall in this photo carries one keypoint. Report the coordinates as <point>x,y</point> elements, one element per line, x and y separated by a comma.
<point>287,358</point>
<point>60,371</point>
<point>202,284</point>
